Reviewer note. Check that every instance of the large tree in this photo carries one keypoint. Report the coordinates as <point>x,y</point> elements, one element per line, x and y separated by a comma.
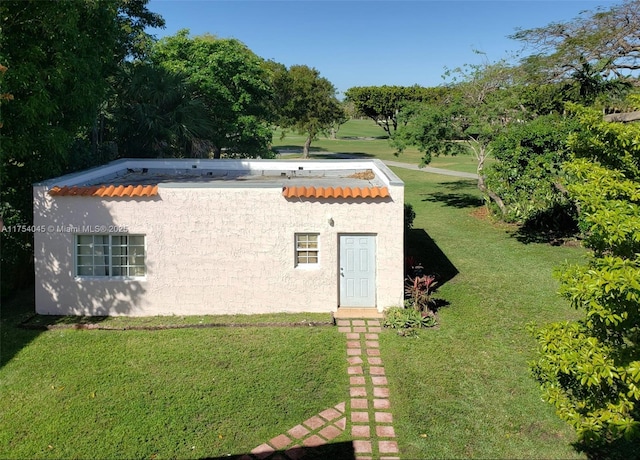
<point>235,86</point>
<point>307,102</point>
<point>479,104</point>
<point>58,57</point>
<point>590,369</point>
<point>157,113</point>
<point>604,42</point>
<point>528,171</point>
<point>383,103</point>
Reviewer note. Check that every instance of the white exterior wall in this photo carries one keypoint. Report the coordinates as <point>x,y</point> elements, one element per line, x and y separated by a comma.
<point>214,250</point>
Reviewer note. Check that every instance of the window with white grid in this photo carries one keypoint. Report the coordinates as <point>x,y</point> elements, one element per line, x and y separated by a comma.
<point>112,256</point>
<point>307,249</point>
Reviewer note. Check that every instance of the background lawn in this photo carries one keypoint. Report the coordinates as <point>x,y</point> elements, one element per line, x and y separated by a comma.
<point>464,390</point>
<point>364,138</point>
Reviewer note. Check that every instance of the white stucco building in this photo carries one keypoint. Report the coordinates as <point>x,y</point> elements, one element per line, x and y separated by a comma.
<point>193,237</point>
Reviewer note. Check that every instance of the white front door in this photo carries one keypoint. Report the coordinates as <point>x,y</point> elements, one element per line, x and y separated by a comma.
<point>357,271</point>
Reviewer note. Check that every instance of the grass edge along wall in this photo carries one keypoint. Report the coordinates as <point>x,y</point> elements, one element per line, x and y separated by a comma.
<point>191,237</point>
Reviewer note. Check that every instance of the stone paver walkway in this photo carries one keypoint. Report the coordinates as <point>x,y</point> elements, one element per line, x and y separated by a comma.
<point>366,416</point>
<point>370,415</point>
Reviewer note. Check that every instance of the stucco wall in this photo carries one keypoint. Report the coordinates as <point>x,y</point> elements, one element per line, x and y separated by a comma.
<point>213,250</point>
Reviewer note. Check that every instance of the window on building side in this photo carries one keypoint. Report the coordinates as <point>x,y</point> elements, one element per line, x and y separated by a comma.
<point>110,255</point>
<point>306,248</point>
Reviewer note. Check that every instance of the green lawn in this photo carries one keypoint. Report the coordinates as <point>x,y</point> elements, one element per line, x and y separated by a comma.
<point>464,390</point>
<point>182,393</point>
<point>347,142</point>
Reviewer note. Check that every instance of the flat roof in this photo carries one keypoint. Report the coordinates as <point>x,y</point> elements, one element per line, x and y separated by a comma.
<point>143,177</point>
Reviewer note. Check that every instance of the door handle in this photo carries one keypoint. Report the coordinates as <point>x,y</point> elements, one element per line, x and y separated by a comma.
<point>342,271</point>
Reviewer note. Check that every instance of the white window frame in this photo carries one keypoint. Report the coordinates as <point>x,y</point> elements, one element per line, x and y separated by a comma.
<point>109,257</point>
<point>300,248</point>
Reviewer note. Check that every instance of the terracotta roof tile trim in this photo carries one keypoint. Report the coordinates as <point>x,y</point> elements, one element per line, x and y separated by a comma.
<point>106,191</point>
<point>335,192</point>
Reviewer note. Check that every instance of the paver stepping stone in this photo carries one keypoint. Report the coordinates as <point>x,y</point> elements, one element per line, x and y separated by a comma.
<point>314,422</point>
<point>383,417</point>
<point>298,431</point>
<point>280,441</point>
<point>361,431</point>
<point>379,380</point>
<point>359,403</point>
<point>362,447</point>
<point>357,391</point>
<point>355,370</point>
<point>330,414</point>
<point>331,432</point>
<point>376,370</point>
<point>388,447</point>
<point>362,417</point>
<point>263,450</point>
<point>385,431</point>
<point>381,404</point>
<point>314,441</point>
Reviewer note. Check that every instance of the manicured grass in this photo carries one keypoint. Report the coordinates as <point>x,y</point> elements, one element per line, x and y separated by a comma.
<point>464,390</point>
<point>182,393</point>
<point>150,322</point>
<point>361,128</point>
<point>347,142</point>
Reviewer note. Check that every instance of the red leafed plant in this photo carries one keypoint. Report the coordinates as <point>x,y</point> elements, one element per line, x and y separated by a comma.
<point>419,291</point>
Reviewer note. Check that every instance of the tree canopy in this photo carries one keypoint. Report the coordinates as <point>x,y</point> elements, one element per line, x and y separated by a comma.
<point>58,58</point>
<point>383,103</point>
<point>307,102</point>
<point>590,369</point>
<point>604,42</point>
<point>478,106</point>
<point>234,85</point>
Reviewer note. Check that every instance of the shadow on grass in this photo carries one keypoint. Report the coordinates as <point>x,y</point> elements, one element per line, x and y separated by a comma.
<point>620,449</point>
<point>455,200</point>
<point>338,451</point>
<point>363,138</point>
<point>342,155</point>
<point>18,310</point>
<point>423,249</point>
<point>555,226</point>
<point>454,197</point>
<point>321,153</point>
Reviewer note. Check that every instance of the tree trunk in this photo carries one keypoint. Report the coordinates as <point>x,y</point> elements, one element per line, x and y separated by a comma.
<point>623,117</point>
<point>496,199</point>
<point>217,151</point>
<point>481,155</point>
<point>305,149</point>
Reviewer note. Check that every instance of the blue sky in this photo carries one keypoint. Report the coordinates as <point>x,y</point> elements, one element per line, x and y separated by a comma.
<point>362,43</point>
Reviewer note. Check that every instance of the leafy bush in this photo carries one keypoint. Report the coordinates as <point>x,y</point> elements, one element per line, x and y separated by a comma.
<point>409,216</point>
<point>407,318</point>
<point>419,291</point>
<point>528,174</point>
